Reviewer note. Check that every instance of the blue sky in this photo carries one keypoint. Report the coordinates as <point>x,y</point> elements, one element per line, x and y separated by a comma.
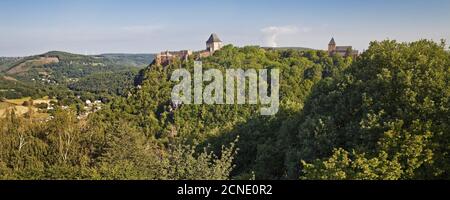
<point>29,27</point>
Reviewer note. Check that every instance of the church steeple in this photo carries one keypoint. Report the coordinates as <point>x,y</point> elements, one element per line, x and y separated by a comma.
<point>331,46</point>
<point>332,42</point>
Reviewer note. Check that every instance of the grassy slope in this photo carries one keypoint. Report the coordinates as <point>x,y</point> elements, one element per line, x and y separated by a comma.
<point>21,110</point>
<point>7,63</point>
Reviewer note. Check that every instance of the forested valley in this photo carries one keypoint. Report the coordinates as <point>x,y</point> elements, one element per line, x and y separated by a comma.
<point>382,115</point>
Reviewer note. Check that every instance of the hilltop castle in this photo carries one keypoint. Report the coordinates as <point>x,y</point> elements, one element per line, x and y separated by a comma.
<point>213,44</point>
<point>166,57</point>
<point>341,50</point>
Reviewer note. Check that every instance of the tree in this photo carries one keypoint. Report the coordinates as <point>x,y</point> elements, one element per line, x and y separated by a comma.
<point>389,110</point>
<point>63,135</point>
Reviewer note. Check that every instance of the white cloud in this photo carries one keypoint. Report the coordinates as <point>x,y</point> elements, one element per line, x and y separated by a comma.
<point>272,33</point>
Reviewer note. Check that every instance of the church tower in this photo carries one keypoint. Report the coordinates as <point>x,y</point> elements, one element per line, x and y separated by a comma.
<point>332,46</point>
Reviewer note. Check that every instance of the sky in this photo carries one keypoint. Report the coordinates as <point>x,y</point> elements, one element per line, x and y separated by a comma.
<point>30,27</point>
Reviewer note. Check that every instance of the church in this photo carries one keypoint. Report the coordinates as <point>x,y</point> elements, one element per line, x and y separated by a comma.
<point>344,51</point>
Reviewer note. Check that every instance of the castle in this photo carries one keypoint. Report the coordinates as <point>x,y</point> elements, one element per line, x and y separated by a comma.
<point>213,43</point>
<point>165,58</point>
<point>341,50</point>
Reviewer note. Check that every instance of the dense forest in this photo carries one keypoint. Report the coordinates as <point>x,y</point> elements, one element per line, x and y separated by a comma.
<point>114,83</point>
<point>383,115</point>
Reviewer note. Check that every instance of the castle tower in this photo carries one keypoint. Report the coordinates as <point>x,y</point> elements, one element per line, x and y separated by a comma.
<point>214,43</point>
<point>332,46</point>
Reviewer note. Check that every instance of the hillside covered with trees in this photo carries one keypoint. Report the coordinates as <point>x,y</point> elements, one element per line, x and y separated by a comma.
<point>66,76</point>
<point>384,115</point>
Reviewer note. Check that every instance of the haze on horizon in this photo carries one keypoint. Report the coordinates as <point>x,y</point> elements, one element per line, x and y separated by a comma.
<point>30,27</point>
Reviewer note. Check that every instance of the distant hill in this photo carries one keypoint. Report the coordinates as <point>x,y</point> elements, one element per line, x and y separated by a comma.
<point>36,75</point>
<point>288,48</point>
<point>135,60</point>
<point>67,56</point>
<point>8,62</point>
<point>26,64</point>
<point>139,60</point>
<point>20,66</point>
